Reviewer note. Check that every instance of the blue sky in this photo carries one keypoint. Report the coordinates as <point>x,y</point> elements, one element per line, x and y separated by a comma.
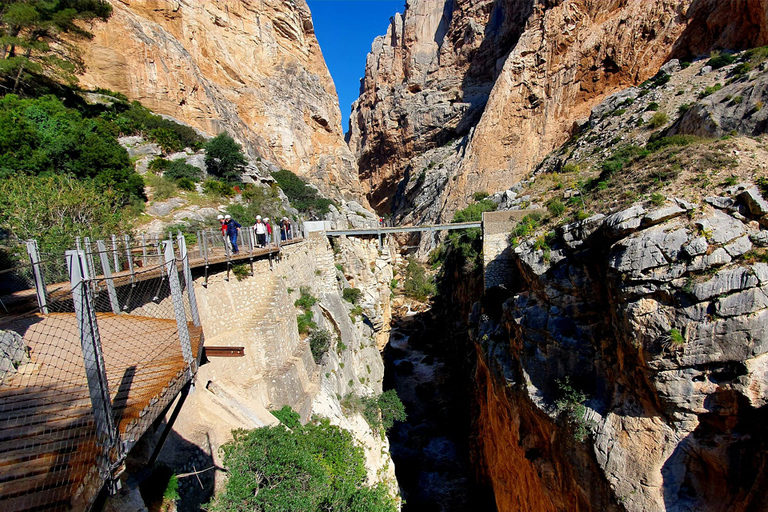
<point>346,29</point>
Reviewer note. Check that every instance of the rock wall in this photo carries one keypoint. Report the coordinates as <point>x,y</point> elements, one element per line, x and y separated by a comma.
<point>278,369</point>
<point>511,79</point>
<point>658,316</point>
<point>252,68</point>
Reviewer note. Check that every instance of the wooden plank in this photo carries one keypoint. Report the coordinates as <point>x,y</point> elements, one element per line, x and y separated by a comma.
<point>209,351</point>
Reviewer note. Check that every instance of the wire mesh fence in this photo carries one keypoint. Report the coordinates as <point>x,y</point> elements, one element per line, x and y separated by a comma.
<point>84,373</point>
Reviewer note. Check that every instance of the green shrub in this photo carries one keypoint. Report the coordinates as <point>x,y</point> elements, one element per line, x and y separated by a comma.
<point>658,120</point>
<point>721,60</point>
<point>652,106</point>
<point>218,188</point>
<point>43,136</point>
<point>171,493</point>
<point>185,184</point>
<point>302,197</point>
<point>710,90</point>
<point>618,112</point>
<point>315,467</point>
<point>137,119</point>
<point>682,109</point>
<point>657,143</point>
<point>657,199</point>
<point>570,167</point>
<point>737,100</point>
<point>474,212</point>
<point>556,207</point>
<point>352,295</point>
<point>241,271</point>
<point>306,300</point>
<point>178,169</point>
<point>224,157</point>
<point>256,200</point>
<point>676,337</point>
<point>393,284</point>
<point>305,322</point>
<point>162,188</point>
<point>742,69</point>
<point>319,343</point>
<point>288,417</point>
<point>524,228</point>
<point>571,404</point>
<point>479,196</point>
<point>55,209</point>
<point>418,285</point>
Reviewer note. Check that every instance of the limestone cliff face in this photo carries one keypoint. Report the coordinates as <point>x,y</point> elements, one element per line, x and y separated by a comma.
<point>510,79</point>
<point>658,315</point>
<point>252,68</point>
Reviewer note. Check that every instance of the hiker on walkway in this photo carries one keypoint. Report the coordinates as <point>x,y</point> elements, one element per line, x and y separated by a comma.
<point>269,231</point>
<point>261,231</point>
<point>224,236</point>
<point>283,229</point>
<point>233,229</point>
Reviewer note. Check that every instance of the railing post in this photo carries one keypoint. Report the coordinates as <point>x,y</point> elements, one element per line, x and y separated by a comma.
<point>91,266</point>
<point>108,276</point>
<point>178,303</point>
<point>114,254</point>
<point>184,255</point>
<point>143,250</point>
<point>37,271</point>
<point>93,359</point>
<point>127,242</point>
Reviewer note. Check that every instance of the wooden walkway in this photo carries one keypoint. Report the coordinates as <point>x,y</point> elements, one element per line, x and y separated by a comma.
<point>48,446</point>
<point>151,269</point>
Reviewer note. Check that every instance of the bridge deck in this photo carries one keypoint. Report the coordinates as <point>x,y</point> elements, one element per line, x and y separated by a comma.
<point>48,444</point>
<point>403,229</point>
<point>216,256</point>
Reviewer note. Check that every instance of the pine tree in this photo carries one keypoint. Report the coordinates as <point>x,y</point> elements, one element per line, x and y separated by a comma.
<point>37,37</point>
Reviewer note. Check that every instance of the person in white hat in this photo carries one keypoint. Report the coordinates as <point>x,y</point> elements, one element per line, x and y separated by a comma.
<point>260,229</point>
<point>233,229</point>
<point>224,236</point>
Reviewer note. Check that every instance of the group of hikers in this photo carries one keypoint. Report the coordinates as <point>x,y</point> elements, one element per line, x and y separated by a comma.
<point>230,229</point>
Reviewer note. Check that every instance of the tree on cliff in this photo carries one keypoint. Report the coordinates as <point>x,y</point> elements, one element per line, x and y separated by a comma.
<point>224,157</point>
<point>37,37</point>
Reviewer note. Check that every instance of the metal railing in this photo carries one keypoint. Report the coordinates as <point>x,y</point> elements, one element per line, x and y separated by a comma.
<point>91,365</point>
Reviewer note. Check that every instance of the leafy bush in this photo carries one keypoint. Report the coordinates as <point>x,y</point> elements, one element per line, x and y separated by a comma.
<point>571,404</point>
<point>652,106</point>
<point>43,136</point>
<point>710,90</point>
<point>171,136</point>
<point>178,169</point>
<point>721,60</point>
<point>288,417</point>
<point>306,300</point>
<point>682,109</point>
<point>305,322</point>
<point>218,188</point>
<point>302,197</point>
<point>657,143</point>
<point>556,207</point>
<point>742,69</point>
<point>570,167</point>
<point>525,227</point>
<point>224,157</point>
<point>162,189</point>
<point>658,120</point>
<point>676,337</point>
<point>241,271</point>
<point>657,199</point>
<point>479,196</point>
<point>264,201</point>
<point>418,285</point>
<point>315,467</point>
<point>55,209</point>
<point>352,295</point>
<point>319,343</point>
<point>474,212</point>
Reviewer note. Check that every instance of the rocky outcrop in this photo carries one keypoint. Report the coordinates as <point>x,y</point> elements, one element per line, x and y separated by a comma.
<point>251,68</point>
<point>279,367</point>
<point>512,79</point>
<point>627,371</point>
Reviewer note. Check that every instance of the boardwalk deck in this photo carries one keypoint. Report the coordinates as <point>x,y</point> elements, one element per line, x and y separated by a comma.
<point>48,446</point>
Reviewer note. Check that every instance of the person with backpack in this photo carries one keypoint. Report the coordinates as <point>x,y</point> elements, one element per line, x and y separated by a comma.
<point>233,229</point>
